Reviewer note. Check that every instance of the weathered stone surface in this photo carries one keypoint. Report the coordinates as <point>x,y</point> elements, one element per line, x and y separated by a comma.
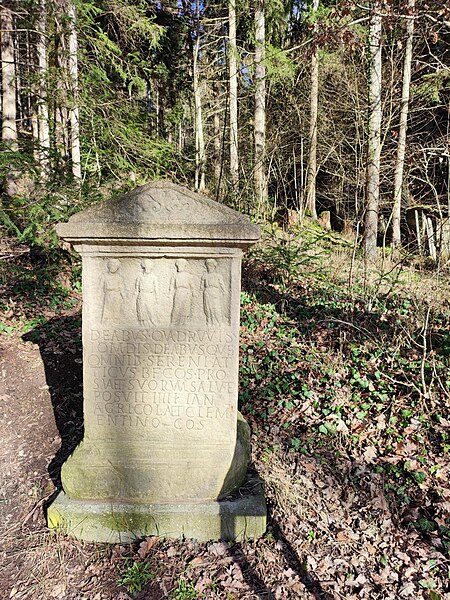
<point>161,286</point>
<point>160,210</point>
<point>125,470</point>
<point>239,519</point>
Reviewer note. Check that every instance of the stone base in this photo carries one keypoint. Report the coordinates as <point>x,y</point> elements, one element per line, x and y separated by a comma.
<point>140,471</point>
<point>242,518</point>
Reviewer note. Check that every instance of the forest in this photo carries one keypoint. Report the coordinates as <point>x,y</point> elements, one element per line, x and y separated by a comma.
<point>327,123</point>
<point>281,110</point>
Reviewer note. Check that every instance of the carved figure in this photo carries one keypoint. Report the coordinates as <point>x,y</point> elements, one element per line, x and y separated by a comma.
<point>214,293</point>
<point>182,286</point>
<point>146,287</point>
<point>112,287</point>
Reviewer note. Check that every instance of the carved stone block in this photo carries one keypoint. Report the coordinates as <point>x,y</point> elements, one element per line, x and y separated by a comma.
<point>161,287</point>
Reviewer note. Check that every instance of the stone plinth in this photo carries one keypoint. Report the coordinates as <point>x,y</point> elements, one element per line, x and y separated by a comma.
<point>165,450</point>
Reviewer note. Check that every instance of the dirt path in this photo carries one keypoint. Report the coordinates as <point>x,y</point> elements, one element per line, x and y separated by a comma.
<point>331,534</point>
<point>28,442</point>
<point>29,437</point>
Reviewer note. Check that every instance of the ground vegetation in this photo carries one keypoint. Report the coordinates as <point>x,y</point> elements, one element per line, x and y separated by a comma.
<point>344,380</point>
<point>344,345</point>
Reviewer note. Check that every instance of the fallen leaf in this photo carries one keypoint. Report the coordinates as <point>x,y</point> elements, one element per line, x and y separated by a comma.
<point>198,561</point>
<point>146,545</point>
<point>123,596</point>
<point>58,590</point>
<point>370,549</point>
<point>370,454</point>
<point>218,548</point>
<point>341,427</point>
<point>346,536</point>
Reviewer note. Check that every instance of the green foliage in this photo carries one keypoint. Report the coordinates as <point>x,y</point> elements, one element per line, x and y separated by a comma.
<point>328,371</point>
<point>286,254</point>
<point>321,14</point>
<point>271,369</point>
<point>433,85</point>
<point>37,288</point>
<point>279,66</point>
<point>135,575</point>
<point>185,590</point>
<point>116,140</point>
<point>118,43</point>
<point>32,216</point>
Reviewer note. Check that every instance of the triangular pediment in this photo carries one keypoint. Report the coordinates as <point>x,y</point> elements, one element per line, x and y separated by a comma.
<point>161,202</point>
<point>160,210</point>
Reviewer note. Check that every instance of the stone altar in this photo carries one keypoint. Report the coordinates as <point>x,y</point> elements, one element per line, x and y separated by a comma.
<point>165,451</point>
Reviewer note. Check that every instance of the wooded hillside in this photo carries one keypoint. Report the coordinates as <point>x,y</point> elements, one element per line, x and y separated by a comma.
<point>328,123</point>
<point>270,107</point>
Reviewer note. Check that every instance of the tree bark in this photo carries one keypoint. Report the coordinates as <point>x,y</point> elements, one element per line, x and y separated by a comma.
<point>431,238</point>
<point>217,148</point>
<point>9,110</point>
<point>74,109</point>
<point>314,105</point>
<point>374,133</point>
<point>59,100</point>
<point>198,119</point>
<point>233,81</point>
<point>259,169</point>
<point>42,107</point>
<point>9,93</point>
<point>401,148</point>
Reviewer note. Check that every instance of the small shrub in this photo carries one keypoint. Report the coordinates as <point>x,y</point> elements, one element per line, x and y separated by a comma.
<point>185,590</point>
<point>134,575</point>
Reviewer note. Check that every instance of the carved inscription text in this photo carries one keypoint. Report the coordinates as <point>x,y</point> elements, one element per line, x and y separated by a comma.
<point>162,379</point>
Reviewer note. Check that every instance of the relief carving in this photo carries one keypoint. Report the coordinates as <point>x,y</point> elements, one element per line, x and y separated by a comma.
<point>182,286</point>
<point>214,293</point>
<point>112,286</point>
<point>146,287</point>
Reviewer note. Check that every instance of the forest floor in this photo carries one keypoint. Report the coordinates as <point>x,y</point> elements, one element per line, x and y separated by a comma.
<point>345,383</point>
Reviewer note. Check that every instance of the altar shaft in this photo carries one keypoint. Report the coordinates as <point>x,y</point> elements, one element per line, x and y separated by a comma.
<point>161,288</point>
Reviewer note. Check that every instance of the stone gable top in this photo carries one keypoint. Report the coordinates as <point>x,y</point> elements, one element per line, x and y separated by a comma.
<point>159,210</point>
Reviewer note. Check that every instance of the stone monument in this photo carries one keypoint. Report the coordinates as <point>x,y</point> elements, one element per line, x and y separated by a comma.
<point>165,450</point>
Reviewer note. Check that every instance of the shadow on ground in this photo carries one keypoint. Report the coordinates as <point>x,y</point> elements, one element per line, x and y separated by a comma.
<point>59,341</point>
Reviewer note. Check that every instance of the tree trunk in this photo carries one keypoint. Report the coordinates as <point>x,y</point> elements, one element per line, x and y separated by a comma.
<point>198,120</point>
<point>314,104</point>
<point>431,238</point>
<point>418,232</point>
<point>74,110</point>
<point>217,148</point>
<point>9,93</point>
<point>58,101</point>
<point>232,65</point>
<point>374,133</point>
<point>401,148</point>
<point>42,107</point>
<point>9,114</point>
<point>260,176</point>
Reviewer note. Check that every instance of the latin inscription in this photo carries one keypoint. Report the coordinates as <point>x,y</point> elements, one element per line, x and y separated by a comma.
<point>165,379</point>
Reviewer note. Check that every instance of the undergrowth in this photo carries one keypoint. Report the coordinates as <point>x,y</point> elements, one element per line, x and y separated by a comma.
<point>336,370</point>
<point>344,380</point>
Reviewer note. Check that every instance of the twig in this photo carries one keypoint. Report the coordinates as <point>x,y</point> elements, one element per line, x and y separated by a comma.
<point>361,329</point>
<point>17,253</point>
<point>38,504</point>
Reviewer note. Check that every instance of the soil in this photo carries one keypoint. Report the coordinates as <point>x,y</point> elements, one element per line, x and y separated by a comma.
<point>332,531</point>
